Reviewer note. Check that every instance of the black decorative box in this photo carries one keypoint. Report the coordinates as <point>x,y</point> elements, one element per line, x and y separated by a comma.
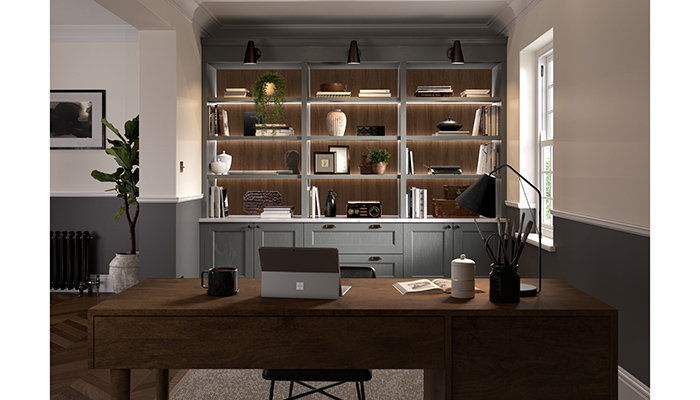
<point>370,130</point>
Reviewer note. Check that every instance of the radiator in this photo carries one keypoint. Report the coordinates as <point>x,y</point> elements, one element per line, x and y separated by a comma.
<point>70,261</point>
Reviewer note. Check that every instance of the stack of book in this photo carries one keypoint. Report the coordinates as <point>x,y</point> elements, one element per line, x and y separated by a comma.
<point>447,133</point>
<point>321,93</point>
<point>218,202</point>
<point>277,212</point>
<point>475,93</point>
<point>445,170</point>
<point>273,130</point>
<point>434,91</point>
<point>488,157</point>
<point>314,203</point>
<point>218,121</point>
<point>417,202</point>
<point>374,93</point>
<point>237,93</point>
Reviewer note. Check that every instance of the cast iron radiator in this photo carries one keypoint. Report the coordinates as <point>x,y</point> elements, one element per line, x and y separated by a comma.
<point>70,261</point>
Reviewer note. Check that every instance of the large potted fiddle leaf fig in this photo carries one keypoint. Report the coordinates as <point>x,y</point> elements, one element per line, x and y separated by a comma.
<point>124,268</point>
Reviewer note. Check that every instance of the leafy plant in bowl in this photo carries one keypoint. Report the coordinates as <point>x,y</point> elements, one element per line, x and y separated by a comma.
<point>379,158</point>
<point>269,104</point>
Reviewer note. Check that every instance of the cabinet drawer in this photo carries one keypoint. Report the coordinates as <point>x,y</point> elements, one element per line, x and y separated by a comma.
<point>385,265</point>
<point>371,237</point>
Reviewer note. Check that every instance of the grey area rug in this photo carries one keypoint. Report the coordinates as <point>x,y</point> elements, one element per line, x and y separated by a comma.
<point>248,384</point>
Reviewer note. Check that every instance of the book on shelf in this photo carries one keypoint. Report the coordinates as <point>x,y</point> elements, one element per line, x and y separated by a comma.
<point>237,92</point>
<point>409,161</point>
<point>486,120</point>
<point>444,169</point>
<point>314,203</point>
<point>417,202</point>
<point>488,157</point>
<point>277,212</point>
<point>434,91</point>
<point>475,93</point>
<point>218,121</point>
<point>450,133</point>
<point>332,94</point>
<point>374,93</point>
<point>424,286</point>
<point>218,202</point>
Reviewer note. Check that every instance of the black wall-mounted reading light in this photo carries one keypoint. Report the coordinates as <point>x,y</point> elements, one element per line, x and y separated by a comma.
<point>454,53</point>
<point>251,54</point>
<point>353,53</point>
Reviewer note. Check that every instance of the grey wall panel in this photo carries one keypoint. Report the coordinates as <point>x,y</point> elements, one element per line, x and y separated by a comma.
<point>96,215</point>
<point>612,266</point>
<point>187,240</point>
<point>157,241</point>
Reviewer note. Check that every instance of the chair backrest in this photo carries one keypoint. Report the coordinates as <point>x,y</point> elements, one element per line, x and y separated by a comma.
<point>357,272</point>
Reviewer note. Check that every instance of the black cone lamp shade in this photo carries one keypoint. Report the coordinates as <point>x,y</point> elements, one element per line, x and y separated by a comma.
<point>455,53</point>
<point>480,197</point>
<point>251,54</point>
<point>353,53</point>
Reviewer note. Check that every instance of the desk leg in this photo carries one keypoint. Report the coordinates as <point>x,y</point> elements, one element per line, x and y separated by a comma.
<point>162,384</point>
<point>120,384</point>
<point>434,384</point>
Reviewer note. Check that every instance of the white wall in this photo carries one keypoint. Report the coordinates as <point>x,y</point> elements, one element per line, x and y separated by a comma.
<point>601,105</point>
<point>111,66</point>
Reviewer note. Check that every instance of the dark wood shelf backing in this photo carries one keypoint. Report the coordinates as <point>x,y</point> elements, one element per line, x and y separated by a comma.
<point>358,115</point>
<point>355,79</point>
<point>290,189</point>
<point>383,190</point>
<point>258,155</point>
<point>245,78</point>
<point>236,117</point>
<point>462,153</point>
<point>459,79</point>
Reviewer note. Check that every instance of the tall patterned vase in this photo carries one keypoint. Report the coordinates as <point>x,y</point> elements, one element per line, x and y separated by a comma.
<point>336,121</point>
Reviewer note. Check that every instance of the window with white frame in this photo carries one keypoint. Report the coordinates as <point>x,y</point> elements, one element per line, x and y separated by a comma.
<point>545,113</point>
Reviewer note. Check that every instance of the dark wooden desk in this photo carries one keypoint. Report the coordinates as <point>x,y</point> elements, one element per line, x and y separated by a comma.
<point>559,345</point>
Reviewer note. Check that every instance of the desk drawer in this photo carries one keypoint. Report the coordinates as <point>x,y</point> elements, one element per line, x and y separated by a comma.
<point>386,265</point>
<point>249,342</point>
<point>371,237</point>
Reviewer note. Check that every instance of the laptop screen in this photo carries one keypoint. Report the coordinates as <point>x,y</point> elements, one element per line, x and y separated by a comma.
<point>299,259</point>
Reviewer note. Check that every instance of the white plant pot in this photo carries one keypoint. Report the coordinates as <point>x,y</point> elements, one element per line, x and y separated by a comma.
<point>124,271</point>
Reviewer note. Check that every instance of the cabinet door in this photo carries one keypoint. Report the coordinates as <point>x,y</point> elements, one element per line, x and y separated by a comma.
<point>467,241</point>
<point>427,250</point>
<point>228,245</point>
<point>371,237</point>
<point>276,235</point>
<point>385,265</point>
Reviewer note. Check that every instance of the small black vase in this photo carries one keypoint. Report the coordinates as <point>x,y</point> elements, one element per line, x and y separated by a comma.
<point>330,204</point>
<point>504,284</point>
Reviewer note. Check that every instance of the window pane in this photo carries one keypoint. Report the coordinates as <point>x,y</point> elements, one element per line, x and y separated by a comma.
<point>547,214</point>
<point>550,126</point>
<point>550,71</point>
<point>550,98</point>
<point>546,185</point>
<point>546,158</point>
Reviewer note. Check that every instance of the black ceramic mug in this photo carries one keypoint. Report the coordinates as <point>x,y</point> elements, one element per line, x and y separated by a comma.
<point>221,281</point>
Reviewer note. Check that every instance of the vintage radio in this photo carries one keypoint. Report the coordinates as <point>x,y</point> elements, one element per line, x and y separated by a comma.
<point>364,209</point>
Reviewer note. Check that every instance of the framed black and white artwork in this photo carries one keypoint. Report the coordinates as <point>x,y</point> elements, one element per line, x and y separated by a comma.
<point>76,119</point>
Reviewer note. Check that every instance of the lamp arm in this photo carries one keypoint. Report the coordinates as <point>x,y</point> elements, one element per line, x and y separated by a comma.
<point>539,212</point>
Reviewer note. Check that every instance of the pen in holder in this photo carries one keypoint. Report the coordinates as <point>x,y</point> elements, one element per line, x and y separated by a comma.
<point>504,249</point>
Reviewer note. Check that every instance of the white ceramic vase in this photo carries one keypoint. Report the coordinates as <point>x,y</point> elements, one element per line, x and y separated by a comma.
<point>124,271</point>
<point>336,121</point>
<point>226,159</point>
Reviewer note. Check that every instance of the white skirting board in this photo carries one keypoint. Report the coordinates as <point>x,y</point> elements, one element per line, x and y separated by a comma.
<point>629,387</point>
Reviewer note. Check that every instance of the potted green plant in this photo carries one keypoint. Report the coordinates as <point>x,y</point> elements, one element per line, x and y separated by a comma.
<point>124,268</point>
<point>268,94</point>
<point>379,158</point>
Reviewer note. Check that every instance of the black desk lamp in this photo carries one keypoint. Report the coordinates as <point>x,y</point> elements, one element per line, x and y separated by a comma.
<point>480,198</point>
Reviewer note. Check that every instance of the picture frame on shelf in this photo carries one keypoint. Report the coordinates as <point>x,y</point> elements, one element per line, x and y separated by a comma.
<point>342,158</point>
<point>324,162</point>
<point>76,119</point>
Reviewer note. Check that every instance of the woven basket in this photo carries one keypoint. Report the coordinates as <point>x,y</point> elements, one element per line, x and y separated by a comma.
<point>255,200</point>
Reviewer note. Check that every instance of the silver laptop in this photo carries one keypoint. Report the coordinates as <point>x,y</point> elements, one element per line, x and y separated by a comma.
<point>301,272</point>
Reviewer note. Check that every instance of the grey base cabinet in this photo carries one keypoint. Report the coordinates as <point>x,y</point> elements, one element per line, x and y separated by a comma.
<point>394,249</point>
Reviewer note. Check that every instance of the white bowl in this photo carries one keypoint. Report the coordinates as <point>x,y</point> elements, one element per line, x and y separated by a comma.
<point>218,167</point>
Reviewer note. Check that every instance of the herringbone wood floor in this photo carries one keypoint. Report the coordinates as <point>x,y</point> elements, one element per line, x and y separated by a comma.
<point>70,377</point>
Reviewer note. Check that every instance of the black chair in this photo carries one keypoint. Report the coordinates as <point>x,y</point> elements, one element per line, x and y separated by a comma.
<point>337,376</point>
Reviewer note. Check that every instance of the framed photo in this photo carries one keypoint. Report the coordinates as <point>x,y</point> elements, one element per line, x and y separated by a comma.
<point>342,159</point>
<point>324,162</point>
<point>76,119</point>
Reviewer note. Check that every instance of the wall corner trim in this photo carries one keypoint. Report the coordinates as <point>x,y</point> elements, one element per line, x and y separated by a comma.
<point>630,387</point>
<point>603,223</point>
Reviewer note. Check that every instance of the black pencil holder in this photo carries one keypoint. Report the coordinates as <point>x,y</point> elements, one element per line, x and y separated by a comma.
<point>504,284</point>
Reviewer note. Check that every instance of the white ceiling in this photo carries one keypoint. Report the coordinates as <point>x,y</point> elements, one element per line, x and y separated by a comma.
<point>217,17</point>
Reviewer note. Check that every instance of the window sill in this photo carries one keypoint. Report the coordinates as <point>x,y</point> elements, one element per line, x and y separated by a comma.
<point>547,243</point>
